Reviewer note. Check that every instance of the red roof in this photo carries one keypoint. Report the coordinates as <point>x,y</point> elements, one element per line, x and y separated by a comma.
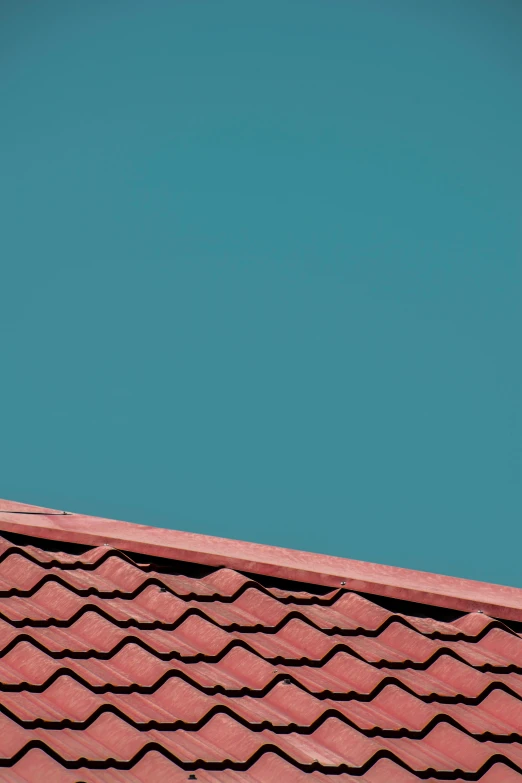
<point>140,654</point>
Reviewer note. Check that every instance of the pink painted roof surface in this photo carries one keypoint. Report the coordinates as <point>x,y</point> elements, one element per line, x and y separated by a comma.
<point>140,654</point>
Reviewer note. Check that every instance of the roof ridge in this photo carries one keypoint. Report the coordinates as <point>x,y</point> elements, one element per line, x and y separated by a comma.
<point>391,581</point>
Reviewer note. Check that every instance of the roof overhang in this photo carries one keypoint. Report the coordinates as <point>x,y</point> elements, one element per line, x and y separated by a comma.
<point>463,595</point>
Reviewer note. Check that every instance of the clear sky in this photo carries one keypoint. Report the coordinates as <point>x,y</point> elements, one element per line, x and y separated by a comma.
<point>261,271</point>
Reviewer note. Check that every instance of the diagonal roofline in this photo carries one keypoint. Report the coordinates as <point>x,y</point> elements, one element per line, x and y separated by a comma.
<point>421,587</point>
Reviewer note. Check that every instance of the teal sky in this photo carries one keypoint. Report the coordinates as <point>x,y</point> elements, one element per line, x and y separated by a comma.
<point>261,271</point>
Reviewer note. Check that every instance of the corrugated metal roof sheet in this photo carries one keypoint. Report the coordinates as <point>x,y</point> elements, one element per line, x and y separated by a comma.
<point>114,669</point>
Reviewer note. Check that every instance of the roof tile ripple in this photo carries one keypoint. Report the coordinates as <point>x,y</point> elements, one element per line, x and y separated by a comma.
<point>114,670</point>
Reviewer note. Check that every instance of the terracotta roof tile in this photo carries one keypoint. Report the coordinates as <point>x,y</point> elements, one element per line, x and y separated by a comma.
<point>113,669</point>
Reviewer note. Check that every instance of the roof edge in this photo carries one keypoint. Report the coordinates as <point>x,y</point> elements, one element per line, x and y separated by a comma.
<point>421,587</point>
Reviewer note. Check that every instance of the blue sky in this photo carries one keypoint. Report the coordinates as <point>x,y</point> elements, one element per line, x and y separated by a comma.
<point>261,272</point>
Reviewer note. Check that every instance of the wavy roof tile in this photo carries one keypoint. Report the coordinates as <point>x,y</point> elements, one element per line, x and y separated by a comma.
<point>139,654</point>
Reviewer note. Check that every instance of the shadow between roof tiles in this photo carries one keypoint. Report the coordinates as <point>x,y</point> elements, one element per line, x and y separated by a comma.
<point>229,764</point>
<point>196,571</point>
<point>248,639</point>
